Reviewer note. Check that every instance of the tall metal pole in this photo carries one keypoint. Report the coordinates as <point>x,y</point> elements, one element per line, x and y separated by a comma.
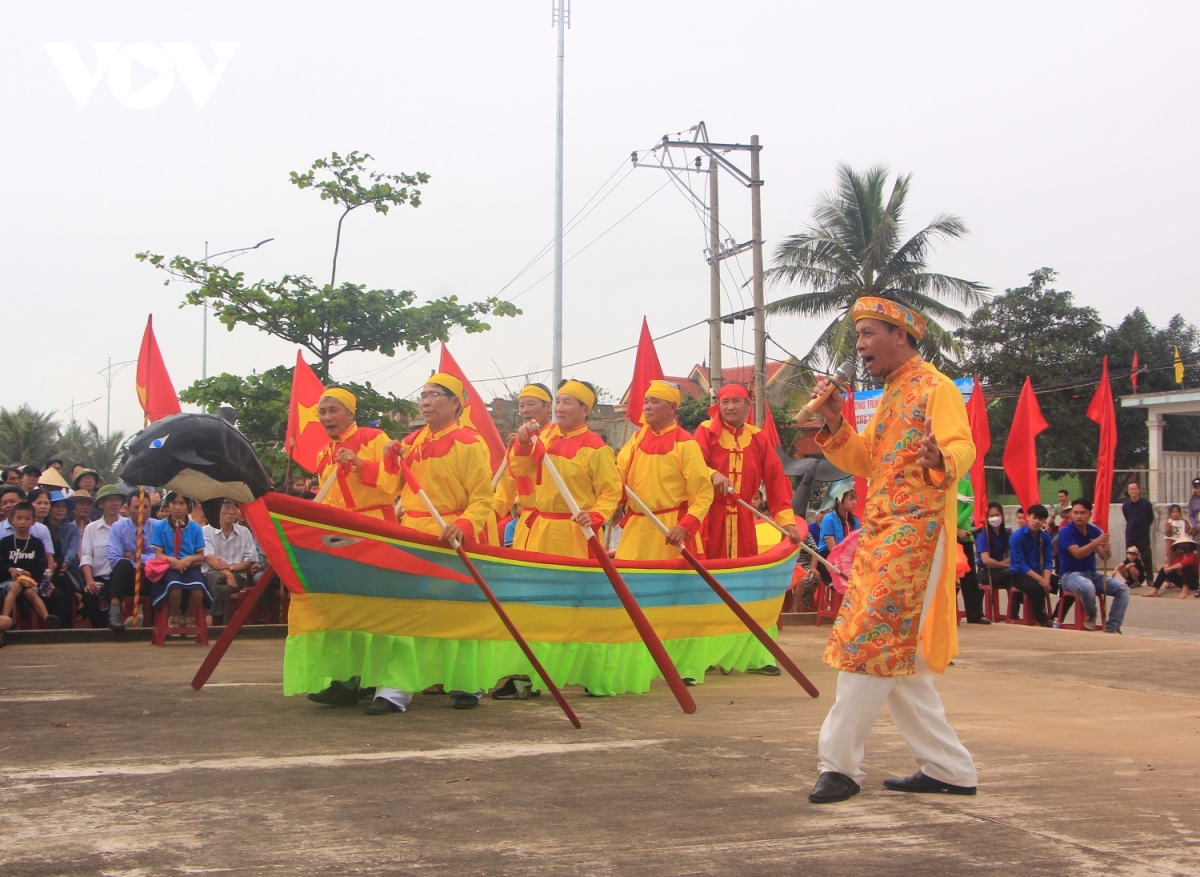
<point>557,358</point>
<point>715,378</point>
<point>204,327</point>
<point>760,324</point>
<point>108,405</point>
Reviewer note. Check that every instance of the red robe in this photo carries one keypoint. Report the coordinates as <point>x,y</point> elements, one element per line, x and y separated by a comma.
<point>748,460</point>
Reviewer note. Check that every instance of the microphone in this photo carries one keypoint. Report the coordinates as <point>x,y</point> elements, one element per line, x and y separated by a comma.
<point>844,373</point>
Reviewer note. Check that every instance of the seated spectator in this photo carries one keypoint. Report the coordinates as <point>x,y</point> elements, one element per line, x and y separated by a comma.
<point>1139,520</point>
<point>181,541</point>
<point>54,464</point>
<point>93,555</point>
<point>1184,573</point>
<point>59,594</point>
<point>9,497</point>
<point>86,479</point>
<point>840,521</point>
<point>12,475</point>
<point>1031,563</point>
<point>40,500</point>
<point>1174,527</point>
<point>230,555</point>
<point>124,559</point>
<point>24,565</point>
<point>72,536</point>
<point>1020,519</point>
<point>1193,514</point>
<point>1132,569</point>
<point>66,537</point>
<point>991,546</point>
<point>1078,546</point>
<point>968,582</point>
<point>30,476</point>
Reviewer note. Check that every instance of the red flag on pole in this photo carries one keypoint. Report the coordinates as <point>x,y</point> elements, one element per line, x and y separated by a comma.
<point>860,483</point>
<point>769,430</point>
<point>1133,375</point>
<point>475,413</point>
<point>306,437</point>
<point>155,391</point>
<point>981,434</point>
<point>645,369</point>
<point>1020,452</point>
<point>1101,410</point>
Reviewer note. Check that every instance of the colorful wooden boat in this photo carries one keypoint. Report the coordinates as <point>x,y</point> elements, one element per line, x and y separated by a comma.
<point>390,605</point>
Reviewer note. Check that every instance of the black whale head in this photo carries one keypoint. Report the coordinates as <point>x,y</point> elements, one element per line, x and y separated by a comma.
<point>198,455</point>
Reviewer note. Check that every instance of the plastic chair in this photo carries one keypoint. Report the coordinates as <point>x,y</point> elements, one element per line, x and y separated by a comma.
<point>829,602</point>
<point>198,628</point>
<point>1080,616</point>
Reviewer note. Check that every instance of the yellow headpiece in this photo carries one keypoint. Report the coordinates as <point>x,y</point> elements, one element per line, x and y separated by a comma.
<point>451,383</point>
<point>580,391</point>
<point>663,390</point>
<point>870,307</point>
<point>344,396</point>
<point>533,391</point>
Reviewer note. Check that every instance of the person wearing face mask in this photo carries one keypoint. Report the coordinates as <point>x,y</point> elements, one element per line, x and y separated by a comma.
<point>991,547</point>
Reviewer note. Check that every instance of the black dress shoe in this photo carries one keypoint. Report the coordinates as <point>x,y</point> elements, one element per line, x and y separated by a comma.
<point>336,694</point>
<point>832,786</point>
<point>980,621</point>
<point>465,701</point>
<point>381,706</point>
<point>918,782</point>
<point>769,670</point>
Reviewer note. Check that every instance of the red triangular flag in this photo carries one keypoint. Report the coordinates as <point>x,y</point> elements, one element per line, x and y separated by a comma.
<point>475,413</point>
<point>305,436</point>
<point>860,483</point>
<point>645,369</point>
<point>1133,375</point>
<point>1020,452</point>
<point>769,430</point>
<point>155,391</point>
<point>1101,410</point>
<point>981,434</point>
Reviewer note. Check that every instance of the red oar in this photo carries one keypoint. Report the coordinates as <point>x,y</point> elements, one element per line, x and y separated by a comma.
<point>636,615</point>
<point>746,619</point>
<point>487,592</point>
<point>217,652</point>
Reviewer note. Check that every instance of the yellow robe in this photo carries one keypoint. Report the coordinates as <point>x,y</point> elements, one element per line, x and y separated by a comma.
<point>455,468</point>
<point>667,472</point>
<point>512,489</point>
<point>367,490</point>
<point>589,468</point>
<point>909,510</point>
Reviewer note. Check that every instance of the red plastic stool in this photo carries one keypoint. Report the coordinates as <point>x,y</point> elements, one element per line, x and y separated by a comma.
<point>198,628</point>
<point>1018,599</point>
<point>1077,604</point>
<point>829,602</point>
<point>992,602</point>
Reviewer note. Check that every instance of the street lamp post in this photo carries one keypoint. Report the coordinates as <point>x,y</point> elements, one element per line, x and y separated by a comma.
<point>233,254</point>
<point>107,374</point>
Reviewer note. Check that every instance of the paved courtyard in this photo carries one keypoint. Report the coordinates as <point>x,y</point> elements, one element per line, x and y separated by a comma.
<point>1088,747</point>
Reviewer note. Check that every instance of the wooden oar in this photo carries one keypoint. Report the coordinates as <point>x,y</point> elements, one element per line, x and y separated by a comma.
<point>487,592</point>
<point>770,521</point>
<point>327,485</point>
<point>217,652</point>
<point>753,626</point>
<point>665,665</point>
<point>500,472</point>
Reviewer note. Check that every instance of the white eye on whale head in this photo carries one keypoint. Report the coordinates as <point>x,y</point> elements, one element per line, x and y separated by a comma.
<point>159,442</point>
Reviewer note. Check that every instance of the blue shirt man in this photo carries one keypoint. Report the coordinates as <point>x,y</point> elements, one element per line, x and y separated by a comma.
<point>1078,544</point>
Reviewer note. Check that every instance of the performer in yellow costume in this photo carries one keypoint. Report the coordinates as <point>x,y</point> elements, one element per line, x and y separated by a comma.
<point>586,464</point>
<point>534,405</point>
<point>450,461</point>
<point>356,452</point>
<point>898,621</point>
<point>663,465</point>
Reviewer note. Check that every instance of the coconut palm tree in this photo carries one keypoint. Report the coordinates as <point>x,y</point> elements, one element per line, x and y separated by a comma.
<point>854,248</point>
<point>27,436</point>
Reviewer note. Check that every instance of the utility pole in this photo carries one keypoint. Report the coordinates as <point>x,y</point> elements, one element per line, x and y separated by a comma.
<point>204,328</point>
<point>560,17</point>
<point>760,314</point>
<point>715,378</point>
<point>108,373</point>
<point>717,251</point>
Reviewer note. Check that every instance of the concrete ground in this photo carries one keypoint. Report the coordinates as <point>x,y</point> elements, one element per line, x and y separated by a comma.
<point>1088,747</point>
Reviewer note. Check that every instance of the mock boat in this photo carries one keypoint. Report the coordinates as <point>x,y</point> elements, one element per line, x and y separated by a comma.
<point>393,606</point>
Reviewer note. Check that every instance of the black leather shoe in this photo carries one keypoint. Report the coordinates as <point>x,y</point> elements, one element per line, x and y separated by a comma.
<point>381,706</point>
<point>918,782</point>
<point>769,670</point>
<point>981,621</point>
<point>832,786</point>
<point>336,694</point>
<point>465,701</point>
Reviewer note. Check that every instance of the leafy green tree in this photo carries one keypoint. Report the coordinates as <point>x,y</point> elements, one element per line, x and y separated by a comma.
<point>27,436</point>
<point>84,444</point>
<point>855,247</point>
<point>331,319</point>
<point>261,402</point>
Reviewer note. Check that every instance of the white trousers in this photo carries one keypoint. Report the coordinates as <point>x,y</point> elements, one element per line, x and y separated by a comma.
<point>403,698</point>
<point>916,710</point>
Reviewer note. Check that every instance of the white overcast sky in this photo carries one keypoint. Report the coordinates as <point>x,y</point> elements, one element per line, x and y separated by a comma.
<point>1065,134</point>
